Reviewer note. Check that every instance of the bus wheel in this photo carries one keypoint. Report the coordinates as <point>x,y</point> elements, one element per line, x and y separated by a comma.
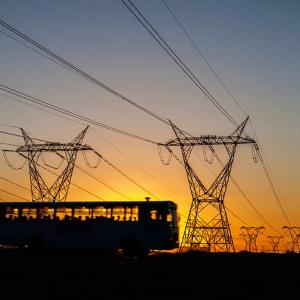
<point>35,243</point>
<point>131,247</point>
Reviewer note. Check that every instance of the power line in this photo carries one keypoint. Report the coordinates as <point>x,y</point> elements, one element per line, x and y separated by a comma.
<point>273,188</point>
<point>72,183</point>
<point>7,125</point>
<point>16,184</point>
<point>40,108</point>
<point>154,33</point>
<point>126,176</point>
<point>243,194</point>
<point>12,194</point>
<point>39,52</point>
<point>134,163</point>
<point>78,71</point>
<point>251,204</point>
<point>236,216</point>
<point>77,186</point>
<point>18,135</point>
<point>8,144</point>
<point>267,171</point>
<point>103,183</point>
<point>203,56</point>
<point>69,113</point>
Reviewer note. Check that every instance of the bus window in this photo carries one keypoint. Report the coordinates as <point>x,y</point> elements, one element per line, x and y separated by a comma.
<point>45,213</point>
<point>135,213</point>
<point>169,217</point>
<point>128,214</point>
<point>82,213</point>
<point>28,213</point>
<point>11,213</point>
<point>172,218</point>
<point>118,213</point>
<point>132,213</point>
<point>99,212</point>
<point>64,213</point>
<point>153,215</point>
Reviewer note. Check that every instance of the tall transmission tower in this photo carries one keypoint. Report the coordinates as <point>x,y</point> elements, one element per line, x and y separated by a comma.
<point>275,240</point>
<point>33,152</point>
<point>250,235</point>
<point>294,233</point>
<point>246,239</point>
<point>201,232</point>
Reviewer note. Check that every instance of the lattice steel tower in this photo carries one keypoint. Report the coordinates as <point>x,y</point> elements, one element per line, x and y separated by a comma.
<point>58,191</point>
<point>213,232</point>
<point>275,240</point>
<point>294,234</point>
<point>250,235</point>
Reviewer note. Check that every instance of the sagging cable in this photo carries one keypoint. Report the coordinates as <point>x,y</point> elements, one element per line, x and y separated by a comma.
<point>88,163</point>
<point>255,153</point>
<point>208,160</point>
<point>9,163</point>
<point>164,161</point>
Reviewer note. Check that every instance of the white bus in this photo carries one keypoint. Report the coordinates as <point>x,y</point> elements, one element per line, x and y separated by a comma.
<point>135,227</point>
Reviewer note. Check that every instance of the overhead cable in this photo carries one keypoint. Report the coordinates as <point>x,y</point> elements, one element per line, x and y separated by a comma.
<point>78,71</point>
<point>69,113</point>
<point>165,46</point>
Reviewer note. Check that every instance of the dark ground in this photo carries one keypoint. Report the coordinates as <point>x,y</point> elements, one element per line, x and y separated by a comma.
<point>90,275</point>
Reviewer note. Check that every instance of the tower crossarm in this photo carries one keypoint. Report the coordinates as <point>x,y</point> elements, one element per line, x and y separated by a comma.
<point>210,140</point>
<point>53,147</point>
<point>58,191</point>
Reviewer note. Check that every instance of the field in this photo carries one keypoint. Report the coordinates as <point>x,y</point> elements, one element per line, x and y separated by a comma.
<point>91,275</point>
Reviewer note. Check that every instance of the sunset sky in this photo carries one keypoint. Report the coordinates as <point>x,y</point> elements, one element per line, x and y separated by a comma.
<point>254,47</point>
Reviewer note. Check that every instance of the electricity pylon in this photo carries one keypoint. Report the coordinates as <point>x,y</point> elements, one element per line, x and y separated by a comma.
<point>250,235</point>
<point>274,240</point>
<point>294,233</point>
<point>58,191</point>
<point>201,232</point>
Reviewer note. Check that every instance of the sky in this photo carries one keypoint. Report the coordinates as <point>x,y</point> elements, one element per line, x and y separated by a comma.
<point>252,45</point>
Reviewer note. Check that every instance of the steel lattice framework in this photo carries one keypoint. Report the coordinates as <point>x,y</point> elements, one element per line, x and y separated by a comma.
<point>58,191</point>
<point>213,233</point>
<point>294,234</point>
<point>275,240</point>
<point>250,235</point>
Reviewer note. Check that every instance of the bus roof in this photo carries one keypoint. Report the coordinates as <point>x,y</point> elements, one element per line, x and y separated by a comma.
<point>156,203</point>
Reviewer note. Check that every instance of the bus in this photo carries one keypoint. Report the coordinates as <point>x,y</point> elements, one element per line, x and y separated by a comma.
<point>132,227</point>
